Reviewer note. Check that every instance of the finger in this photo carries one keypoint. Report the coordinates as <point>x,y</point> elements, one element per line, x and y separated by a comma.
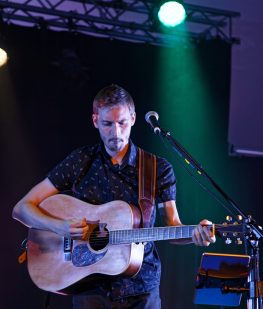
<point>205,222</point>
<point>208,234</point>
<point>213,239</point>
<point>76,232</point>
<point>84,222</point>
<point>205,243</point>
<point>78,223</point>
<point>85,233</point>
<point>196,237</point>
<point>205,230</point>
<point>202,233</point>
<point>200,236</point>
<point>75,224</point>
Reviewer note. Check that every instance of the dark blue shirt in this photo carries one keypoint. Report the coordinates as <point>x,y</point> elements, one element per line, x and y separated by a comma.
<point>90,175</point>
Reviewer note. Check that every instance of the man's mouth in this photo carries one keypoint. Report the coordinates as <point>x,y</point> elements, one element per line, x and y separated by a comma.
<point>115,140</point>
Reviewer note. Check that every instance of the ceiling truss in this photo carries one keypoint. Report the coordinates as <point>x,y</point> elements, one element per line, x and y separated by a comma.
<point>132,20</point>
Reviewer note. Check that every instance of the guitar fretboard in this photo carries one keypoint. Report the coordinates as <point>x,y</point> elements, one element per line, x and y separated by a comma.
<point>150,234</point>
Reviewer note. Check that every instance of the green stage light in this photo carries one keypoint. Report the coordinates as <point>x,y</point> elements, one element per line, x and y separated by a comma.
<point>171,14</point>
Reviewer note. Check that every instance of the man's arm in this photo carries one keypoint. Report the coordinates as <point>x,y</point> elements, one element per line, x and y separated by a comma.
<point>201,235</point>
<point>27,211</point>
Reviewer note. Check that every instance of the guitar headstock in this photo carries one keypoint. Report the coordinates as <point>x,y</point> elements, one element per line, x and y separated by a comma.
<point>231,230</point>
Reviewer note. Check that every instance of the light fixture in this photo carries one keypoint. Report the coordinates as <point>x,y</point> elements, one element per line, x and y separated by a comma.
<point>3,57</point>
<point>171,13</point>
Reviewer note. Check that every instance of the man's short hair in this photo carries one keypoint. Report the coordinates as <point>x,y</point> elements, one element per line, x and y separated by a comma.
<point>113,95</point>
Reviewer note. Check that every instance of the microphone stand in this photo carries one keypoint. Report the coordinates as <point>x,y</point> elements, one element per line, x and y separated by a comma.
<point>252,231</point>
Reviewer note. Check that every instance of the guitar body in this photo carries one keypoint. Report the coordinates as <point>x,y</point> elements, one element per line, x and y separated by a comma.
<point>49,265</point>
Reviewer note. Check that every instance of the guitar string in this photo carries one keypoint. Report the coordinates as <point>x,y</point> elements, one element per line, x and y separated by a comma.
<point>217,226</point>
<point>97,237</point>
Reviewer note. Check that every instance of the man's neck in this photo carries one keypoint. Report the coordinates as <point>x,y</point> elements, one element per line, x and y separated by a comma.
<point>117,157</point>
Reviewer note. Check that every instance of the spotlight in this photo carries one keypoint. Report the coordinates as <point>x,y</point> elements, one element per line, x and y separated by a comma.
<point>3,57</point>
<point>171,13</point>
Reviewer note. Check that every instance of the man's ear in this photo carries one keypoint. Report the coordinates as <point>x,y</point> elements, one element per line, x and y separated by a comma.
<point>133,118</point>
<point>95,120</point>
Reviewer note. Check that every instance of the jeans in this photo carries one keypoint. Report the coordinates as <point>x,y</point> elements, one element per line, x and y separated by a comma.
<point>101,299</point>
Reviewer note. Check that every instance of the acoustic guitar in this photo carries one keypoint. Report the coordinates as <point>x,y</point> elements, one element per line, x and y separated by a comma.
<point>114,245</point>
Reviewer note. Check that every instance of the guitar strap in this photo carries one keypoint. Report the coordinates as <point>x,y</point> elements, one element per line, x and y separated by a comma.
<point>147,182</point>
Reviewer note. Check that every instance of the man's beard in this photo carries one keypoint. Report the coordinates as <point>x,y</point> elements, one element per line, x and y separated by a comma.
<point>115,144</point>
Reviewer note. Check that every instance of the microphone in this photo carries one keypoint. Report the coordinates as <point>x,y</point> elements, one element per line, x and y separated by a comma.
<point>152,118</point>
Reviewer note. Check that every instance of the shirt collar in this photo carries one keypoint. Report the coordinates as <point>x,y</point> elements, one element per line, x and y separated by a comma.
<point>129,158</point>
<point>132,152</point>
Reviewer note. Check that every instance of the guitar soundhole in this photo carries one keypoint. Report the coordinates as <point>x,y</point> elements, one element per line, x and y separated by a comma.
<point>99,238</point>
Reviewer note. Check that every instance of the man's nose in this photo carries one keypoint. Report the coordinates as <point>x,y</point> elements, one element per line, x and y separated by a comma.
<point>116,129</point>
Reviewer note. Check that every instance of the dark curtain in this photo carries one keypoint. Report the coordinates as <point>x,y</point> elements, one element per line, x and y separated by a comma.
<point>46,94</point>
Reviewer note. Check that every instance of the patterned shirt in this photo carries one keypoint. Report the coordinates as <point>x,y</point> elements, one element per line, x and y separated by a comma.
<point>89,175</point>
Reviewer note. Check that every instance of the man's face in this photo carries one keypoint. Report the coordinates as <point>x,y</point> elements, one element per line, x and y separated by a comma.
<point>114,125</point>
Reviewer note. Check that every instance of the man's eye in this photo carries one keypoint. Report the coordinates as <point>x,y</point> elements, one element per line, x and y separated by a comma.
<point>106,124</point>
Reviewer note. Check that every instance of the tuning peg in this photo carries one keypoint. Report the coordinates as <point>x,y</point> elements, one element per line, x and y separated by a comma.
<point>239,218</point>
<point>229,218</point>
<point>228,241</point>
<point>238,241</point>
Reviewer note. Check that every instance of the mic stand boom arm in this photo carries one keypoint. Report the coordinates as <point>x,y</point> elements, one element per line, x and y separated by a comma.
<point>253,230</point>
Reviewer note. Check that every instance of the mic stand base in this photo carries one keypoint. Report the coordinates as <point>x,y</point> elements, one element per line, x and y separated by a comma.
<point>254,300</point>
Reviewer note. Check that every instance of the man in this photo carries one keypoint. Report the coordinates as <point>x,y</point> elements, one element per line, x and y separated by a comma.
<point>100,174</point>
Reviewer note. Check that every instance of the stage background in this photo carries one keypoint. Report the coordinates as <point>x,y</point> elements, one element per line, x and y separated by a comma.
<point>46,94</point>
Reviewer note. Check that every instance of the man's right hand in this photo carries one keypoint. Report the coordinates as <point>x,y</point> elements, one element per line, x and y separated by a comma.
<point>77,229</point>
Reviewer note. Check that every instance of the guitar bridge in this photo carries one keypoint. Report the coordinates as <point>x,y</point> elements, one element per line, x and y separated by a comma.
<point>68,243</point>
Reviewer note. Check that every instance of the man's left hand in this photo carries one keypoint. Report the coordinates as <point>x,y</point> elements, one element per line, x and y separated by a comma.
<point>202,234</point>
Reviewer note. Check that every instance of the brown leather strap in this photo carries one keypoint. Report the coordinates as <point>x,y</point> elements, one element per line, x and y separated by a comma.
<point>147,182</point>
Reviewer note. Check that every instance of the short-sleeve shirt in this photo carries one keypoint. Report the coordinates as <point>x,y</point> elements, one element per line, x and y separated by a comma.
<point>89,175</point>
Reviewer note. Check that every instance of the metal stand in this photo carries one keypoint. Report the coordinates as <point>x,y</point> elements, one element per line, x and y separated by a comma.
<point>252,233</point>
<point>254,300</point>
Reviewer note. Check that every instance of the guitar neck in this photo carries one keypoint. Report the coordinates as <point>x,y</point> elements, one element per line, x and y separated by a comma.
<point>150,234</point>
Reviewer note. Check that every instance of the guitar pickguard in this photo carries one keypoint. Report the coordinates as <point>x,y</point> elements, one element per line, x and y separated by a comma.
<point>83,256</point>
